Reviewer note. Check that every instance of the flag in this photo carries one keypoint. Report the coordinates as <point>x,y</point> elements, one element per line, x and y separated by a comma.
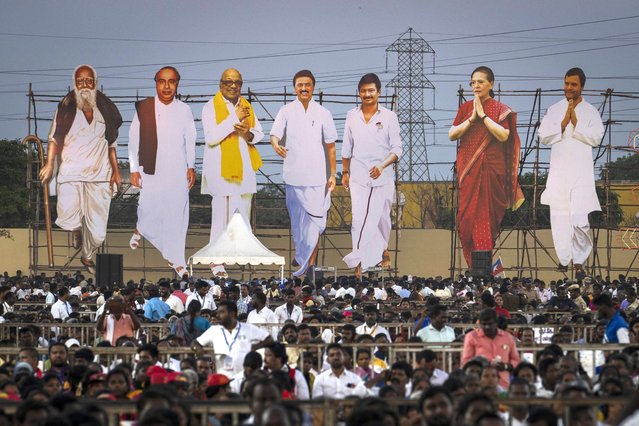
<point>498,267</point>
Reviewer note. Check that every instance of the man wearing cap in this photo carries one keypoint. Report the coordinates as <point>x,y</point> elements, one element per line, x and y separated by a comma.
<point>162,162</point>
<point>202,295</point>
<point>370,325</point>
<point>83,150</point>
<point>575,295</point>
<point>231,159</point>
<point>309,133</point>
<point>230,340</point>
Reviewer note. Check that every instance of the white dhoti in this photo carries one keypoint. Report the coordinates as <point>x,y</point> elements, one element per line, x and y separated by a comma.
<point>163,214</point>
<point>571,236</point>
<point>85,206</point>
<point>222,209</point>
<point>307,208</point>
<point>371,223</point>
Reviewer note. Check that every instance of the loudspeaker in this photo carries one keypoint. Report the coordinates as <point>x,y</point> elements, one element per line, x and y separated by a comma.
<point>482,263</point>
<point>109,270</point>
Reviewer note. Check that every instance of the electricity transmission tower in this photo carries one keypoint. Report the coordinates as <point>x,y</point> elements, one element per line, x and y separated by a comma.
<point>409,84</point>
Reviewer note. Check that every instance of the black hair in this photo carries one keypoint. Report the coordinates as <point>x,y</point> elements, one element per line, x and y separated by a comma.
<point>431,392</point>
<point>579,73</point>
<point>368,79</point>
<point>279,351</point>
<point>151,348</point>
<point>304,73</point>
<point>489,75</point>
<point>230,306</point>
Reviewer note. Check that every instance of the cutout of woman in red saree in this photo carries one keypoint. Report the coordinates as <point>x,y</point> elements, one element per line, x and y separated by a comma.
<point>487,165</point>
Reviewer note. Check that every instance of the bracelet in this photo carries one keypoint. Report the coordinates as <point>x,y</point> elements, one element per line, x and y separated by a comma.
<point>484,117</point>
<point>345,173</point>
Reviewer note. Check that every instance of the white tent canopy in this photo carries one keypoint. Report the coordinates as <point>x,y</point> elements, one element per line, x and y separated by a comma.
<point>237,246</point>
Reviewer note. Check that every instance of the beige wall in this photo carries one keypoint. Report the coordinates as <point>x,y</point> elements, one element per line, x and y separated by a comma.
<point>423,252</point>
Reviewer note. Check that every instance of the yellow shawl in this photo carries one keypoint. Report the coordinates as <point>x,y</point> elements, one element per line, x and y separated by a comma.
<point>231,156</point>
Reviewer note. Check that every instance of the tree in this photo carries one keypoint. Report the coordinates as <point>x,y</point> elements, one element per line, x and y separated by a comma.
<point>623,168</point>
<point>15,211</point>
<point>270,208</point>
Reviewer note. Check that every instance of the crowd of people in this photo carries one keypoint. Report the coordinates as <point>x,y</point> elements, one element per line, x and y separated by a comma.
<point>405,350</point>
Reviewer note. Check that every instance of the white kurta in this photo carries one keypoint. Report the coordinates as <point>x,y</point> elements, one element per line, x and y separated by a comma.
<point>304,133</point>
<point>367,145</point>
<point>226,196</point>
<point>163,208</point>
<point>570,188</point>
<point>84,194</point>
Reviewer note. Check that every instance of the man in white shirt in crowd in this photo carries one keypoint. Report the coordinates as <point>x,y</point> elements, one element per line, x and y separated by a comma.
<point>263,315</point>
<point>230,160</point>
<point>370,325</point>
<point>62,308</point>
<point>438,330</point>
<point>572,127</point>
<point>337,382</point>
<point>82,149</point>
<point>49,296</point>
<point>307,135</point>
<point>289,310</point>
<point>202,295</point>
<point>230,340</point>
<point>371,144</point>
<point>427,360</point>
<point>162,162</point>
<point>379,291</point>
<point>173,301</point>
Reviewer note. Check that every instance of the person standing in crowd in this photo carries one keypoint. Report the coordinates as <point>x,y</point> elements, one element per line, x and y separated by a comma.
<point>438,329</point>
<point>304,135</point>
<point>61,309</point>
<point>497,346</point>
<point>162,162</point>
<point>617,327</point>
<point>202,295</point>
<point>289,310</point>
<point>370,326</point>
<point>117,320</point>
<point>487,164</point>
<point>371,145</point>
<point>82,149</point>
<point>230,340</point>
<point>231,159</point>
<point>571,127</point>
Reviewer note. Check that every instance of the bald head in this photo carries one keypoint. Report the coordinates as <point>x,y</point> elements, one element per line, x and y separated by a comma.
<point>231,84</point>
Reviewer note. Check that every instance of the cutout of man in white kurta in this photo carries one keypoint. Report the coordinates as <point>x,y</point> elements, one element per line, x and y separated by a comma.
<point>571,127</point>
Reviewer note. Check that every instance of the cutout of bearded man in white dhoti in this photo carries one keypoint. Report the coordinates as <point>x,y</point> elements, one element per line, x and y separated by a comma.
<point>162,161</point>
<point>82,146</point>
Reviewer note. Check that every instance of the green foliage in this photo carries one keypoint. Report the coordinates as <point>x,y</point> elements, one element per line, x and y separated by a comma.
<point>15,211</point>
<point>623,168</point>
<point>270,208</point>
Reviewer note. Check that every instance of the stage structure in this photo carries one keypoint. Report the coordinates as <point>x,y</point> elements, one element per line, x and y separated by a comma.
<point>410,84</point>
<point>271,218</point>
<point>522,225</point>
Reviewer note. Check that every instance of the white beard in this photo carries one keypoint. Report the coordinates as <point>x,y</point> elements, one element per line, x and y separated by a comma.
<point>86,99</point>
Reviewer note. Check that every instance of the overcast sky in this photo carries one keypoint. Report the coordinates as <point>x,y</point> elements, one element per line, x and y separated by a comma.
<point>528,44</point>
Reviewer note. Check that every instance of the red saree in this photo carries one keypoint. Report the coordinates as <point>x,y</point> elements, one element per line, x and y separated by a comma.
<point>487,177</point>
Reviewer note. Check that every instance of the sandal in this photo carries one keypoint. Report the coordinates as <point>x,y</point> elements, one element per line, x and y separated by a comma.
<point>89,264</point>
<point>134,242</point>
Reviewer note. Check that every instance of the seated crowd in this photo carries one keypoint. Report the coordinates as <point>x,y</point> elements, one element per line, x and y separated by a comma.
<point>391,351</point>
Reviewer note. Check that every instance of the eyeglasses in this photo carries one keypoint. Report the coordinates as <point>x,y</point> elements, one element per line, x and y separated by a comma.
<point>229,83</point>
<point>84,81</point>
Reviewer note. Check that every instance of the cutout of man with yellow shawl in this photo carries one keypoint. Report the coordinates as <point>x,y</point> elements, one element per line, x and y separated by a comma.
<point>230,158</point>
